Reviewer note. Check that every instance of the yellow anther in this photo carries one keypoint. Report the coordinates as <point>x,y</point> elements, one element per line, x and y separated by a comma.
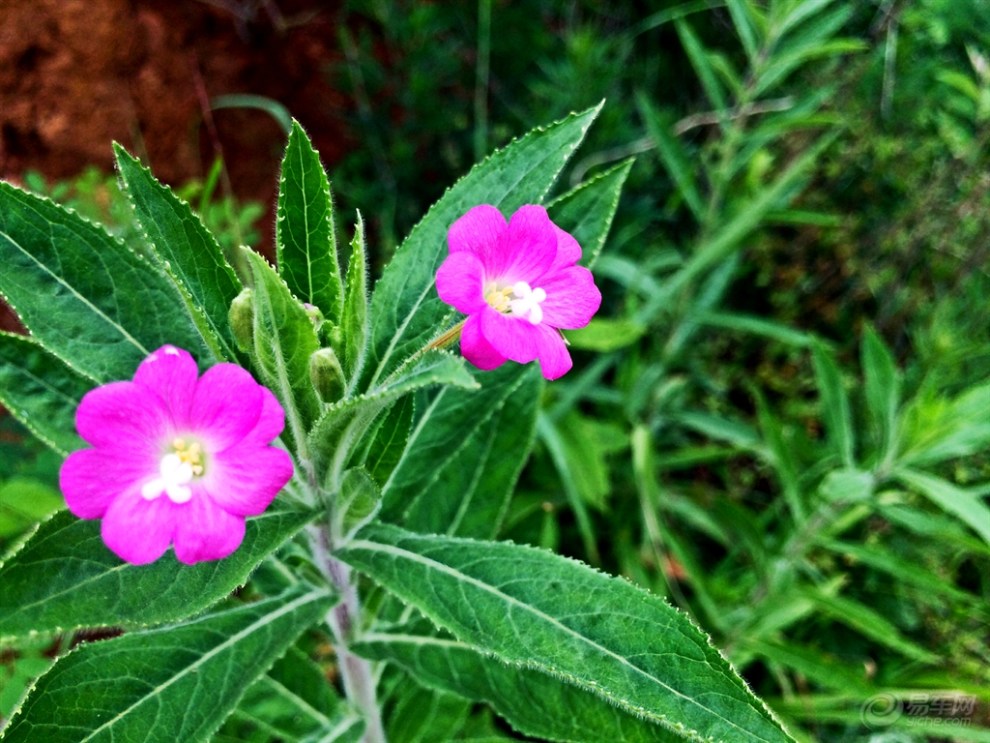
<point>190,453</point>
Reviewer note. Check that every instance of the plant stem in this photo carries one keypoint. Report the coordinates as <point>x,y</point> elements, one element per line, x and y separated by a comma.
<point>356,672</point>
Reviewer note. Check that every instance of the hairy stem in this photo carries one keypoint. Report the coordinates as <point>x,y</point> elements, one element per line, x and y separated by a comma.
<point>356,672</point>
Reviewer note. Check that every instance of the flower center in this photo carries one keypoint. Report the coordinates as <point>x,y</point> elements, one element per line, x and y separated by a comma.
<point>176,469</point>
<point>519,300</point>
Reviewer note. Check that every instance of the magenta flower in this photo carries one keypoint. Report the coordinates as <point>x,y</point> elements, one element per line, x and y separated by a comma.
<point>177,459</point>
<point>518,284</point>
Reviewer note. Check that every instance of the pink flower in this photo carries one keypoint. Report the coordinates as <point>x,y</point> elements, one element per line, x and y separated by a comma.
<point>518,284</point>
<point>176,459</point>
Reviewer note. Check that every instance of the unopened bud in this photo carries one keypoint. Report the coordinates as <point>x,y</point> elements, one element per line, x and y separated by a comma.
<point>327,375</point>
<point>241,318</point>
<point>314,314</point>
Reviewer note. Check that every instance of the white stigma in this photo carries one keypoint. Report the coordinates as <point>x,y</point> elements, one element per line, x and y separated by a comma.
<point>174,476</point>
<point>525,302</point>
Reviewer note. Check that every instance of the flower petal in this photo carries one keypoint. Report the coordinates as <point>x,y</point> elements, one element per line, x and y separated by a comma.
<point>572,298</point>
<point>478,232</point>
<point>123,416</point>
<point>476,349</point>
<point>244,480</point>
<point>461,282</point>
<point>528,248</point>
<point>90,479</point>
<point>555,359</point>
<point>513,337</point>
<point>568,250</point>
<point>206,531</point>
<point>225,407</point>
<point>139,530</point>
<point>171,373</point>
<point>270,423</point>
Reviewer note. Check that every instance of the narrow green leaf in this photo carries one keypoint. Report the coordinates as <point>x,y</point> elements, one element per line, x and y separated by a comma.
<point>64,577</point>
<point>533,702</point>
<point>968,508</point>
<point>168,684</point>
<point>40,391</point>
<point>86,297</point>
<point>284,339</point>
<point>188,251</point>
<point>870,623</point>
<point>700,60</point>
<point>745,219</point>
<point>354,322</point>
<point>660,125</point>
<point>825,669</point>
<point>742,18</point>
<point>882,389</point>
<point>780,455</point>
<point>601,634</point>
<point>835,403</point>
<point>464,455</point>
<point>587,210</point>
<point>757,326</point>
<point>305,238</point>
<point>405,306</point>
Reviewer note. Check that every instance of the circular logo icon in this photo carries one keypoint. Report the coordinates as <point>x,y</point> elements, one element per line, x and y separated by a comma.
<point>880,711</point>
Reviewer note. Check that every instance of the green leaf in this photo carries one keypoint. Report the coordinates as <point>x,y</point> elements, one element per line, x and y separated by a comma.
<point>940,430</point>
<point>605,334</point>
<point>354,322</point>
<point>870,623</point>
<point>742,18</point>
<point>169,684</point>
<point>284,339</point>
<point>418,715</point>
<point>968,508</point>
<point>336,433</point>
<point>389,440</point>
<point>534,703</point>
<point>835,404</point>
<point>601,634</point>
<point>40,391</point>
<point>756,325</point>
<point>357,503</point>
<point>660,127</point>
<point>188,251</point>
<point>304,231</point>
<point>700,59</point>
<point>587,210</point>
<point>406,309</point>
<point>24,502</point>
<point>882,389</point>
<point>727,237</point>
<point>464,455</point>
<point>294,702</point>
<point>64,577</point>
<point>86,297</point>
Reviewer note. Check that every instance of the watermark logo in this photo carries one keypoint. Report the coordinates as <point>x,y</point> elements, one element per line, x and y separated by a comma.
<point>880,711</point>
<point>884,710</point>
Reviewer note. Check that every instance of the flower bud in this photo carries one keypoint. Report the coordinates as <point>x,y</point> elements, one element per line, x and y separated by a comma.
<point>314,314</point>
<point>241,318</point>
<point>327,375</point>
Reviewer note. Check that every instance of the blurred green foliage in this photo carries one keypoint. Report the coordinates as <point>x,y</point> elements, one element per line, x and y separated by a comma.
<point>782,418</point>
<point>737,435</point>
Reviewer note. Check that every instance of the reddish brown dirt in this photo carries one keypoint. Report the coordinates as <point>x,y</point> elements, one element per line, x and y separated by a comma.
<point>77,74</point>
